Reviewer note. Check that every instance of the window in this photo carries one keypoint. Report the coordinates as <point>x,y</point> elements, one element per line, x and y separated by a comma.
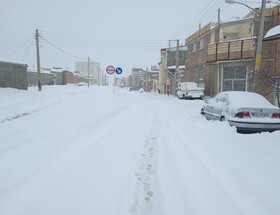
<point>201,43</point>
<point>194,47</point>
<point>201,73</point>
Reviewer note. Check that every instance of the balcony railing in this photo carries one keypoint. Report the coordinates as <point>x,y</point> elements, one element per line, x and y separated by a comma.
<point>232,50</point>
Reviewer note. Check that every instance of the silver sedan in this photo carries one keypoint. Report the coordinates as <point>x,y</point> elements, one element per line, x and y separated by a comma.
<point>248,112</point>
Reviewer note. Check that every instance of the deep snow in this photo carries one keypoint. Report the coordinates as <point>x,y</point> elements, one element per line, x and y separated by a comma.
<point>79,150</point>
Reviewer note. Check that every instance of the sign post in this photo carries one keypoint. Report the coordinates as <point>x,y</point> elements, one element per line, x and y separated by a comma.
<point>111,70</point>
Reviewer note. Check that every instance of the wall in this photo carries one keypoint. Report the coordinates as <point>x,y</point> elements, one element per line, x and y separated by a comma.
<point>196,70</point>
<point>13,75</point>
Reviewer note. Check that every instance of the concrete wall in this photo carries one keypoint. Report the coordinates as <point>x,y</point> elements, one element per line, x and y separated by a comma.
<point>13,75</point>
<point>46,78</point>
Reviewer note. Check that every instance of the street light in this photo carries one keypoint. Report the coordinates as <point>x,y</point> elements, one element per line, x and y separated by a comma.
<point>237,2</point>
<point>259,38</point>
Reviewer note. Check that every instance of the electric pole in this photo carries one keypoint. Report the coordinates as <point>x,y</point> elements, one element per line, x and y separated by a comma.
<point>38,62</point>
<point>259,47</point>
<point>177,79</point>
<point>219,26</point>
<point>88,70</point>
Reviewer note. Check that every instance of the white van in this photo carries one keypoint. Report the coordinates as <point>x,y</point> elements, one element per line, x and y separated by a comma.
<point>190,90</point>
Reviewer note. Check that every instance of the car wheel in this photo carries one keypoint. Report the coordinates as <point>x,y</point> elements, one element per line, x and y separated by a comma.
<point>222,118</point>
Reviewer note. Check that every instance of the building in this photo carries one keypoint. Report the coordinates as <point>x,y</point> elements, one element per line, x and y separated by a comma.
<point>137,77</point>
<point>150,79</point>
<point>169,78</point>
<point>49,76</point>
<point>13,75</point>
<point>93,72</point>
<point>222,56</point>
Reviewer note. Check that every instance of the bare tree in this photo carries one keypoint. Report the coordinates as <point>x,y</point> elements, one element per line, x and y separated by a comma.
<point>273,82</point>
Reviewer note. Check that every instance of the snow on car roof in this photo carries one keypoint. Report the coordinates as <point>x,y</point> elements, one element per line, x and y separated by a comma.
<point>248,99</point>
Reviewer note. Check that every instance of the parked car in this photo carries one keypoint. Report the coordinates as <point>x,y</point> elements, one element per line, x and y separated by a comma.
<point>131,89</point>
<point>189,90</point>
<point>247,111</point>
<point>82,84</point>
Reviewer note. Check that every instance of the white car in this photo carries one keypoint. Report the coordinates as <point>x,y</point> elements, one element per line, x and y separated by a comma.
<point>189,90</point>
<point>248,112</point>
<point>82,84</point>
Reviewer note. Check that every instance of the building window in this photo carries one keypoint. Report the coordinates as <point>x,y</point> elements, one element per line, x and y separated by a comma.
<point>194,47</point>
<point>234,78</point>
<point>201,74</point>
<point>201,43</point>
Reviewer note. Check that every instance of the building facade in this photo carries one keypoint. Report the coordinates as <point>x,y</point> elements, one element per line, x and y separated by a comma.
<point>90,69</point>
<point>222,56</point>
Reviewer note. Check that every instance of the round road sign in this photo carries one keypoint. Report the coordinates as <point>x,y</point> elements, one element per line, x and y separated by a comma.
<point>119,70</point>
<point>110,70</point>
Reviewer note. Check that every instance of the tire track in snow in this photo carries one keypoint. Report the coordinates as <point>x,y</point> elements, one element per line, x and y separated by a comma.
<point>185,143</point>
<point>40,108</point>
<point>24,193</point>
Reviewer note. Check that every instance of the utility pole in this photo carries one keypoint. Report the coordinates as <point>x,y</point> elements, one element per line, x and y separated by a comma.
<point>219,26</point>
<point>38,62</point>
<point>98,77</point>
<point>88,70</point>
<point>146,79</point>
<point>259,47</point>
<point>177,79</point>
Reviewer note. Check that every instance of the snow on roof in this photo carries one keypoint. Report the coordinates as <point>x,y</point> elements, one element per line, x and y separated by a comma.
<point>275,31</point>
<point>14,62</point>
<point>57,70</point>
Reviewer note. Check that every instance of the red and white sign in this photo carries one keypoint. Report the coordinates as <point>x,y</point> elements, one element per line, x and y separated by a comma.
<point>110,70</point>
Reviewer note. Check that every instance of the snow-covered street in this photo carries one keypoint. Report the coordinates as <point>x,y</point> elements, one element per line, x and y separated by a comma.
<point>72,150</point>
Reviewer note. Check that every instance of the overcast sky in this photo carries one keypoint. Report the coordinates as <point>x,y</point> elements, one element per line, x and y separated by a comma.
<point>124,33</point>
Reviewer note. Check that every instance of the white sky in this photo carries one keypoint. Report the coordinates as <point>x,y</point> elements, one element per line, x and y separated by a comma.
<point>122,33</point>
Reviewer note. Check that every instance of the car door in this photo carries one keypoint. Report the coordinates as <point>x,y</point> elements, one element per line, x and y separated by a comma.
<point>222,107</point>
<point>211,107</point>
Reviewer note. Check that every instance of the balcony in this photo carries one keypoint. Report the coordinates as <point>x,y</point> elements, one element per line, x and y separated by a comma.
<point>232,50</point>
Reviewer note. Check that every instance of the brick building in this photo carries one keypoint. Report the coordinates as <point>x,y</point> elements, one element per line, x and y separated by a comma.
<point>222,56</point>
<point>70,78</point>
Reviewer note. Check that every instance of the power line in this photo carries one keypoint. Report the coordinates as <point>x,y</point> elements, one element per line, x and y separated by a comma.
<point>81,58</point>
<point>200,16</point>
<point>31,44</point>
<point>205,19</point>
<point>103,39</point>
<point>106,43</point>
<point>19,47</point>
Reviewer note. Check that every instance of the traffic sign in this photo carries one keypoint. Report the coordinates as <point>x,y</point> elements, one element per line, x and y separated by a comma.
<point>119,70</point>
<point>110,70</point>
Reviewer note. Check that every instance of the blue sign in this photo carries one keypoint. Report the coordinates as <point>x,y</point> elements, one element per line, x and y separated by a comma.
<point>119,70</point>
